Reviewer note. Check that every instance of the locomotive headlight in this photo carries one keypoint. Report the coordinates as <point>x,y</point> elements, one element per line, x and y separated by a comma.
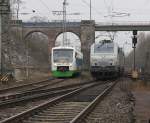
<point>94,61</point>
<point>111,61</point>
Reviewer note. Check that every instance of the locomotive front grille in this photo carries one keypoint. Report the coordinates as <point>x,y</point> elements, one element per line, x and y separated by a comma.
<point>100,68</point>
<point>63,68</point>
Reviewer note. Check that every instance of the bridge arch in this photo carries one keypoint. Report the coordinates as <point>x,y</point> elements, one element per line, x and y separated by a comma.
<point>52,34</point>
<point>33,31</point>
<point>73,38</point>
<point>38,41</point>
<point>85,30</point>
<point>77,33</point>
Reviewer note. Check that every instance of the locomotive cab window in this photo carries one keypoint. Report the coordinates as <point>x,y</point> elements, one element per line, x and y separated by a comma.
<point>104,48</point>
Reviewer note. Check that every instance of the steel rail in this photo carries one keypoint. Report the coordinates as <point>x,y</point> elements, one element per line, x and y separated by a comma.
<point>24,85</point>
<point>92,105</point>
<point>33,97</point>
<point>21,116</point>
<point>43,93</point>
<point>28,91</point>
<point>32,92</point>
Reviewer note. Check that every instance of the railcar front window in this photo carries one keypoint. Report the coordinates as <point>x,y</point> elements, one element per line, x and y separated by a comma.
<point>104,48</point>
<point>63,55</point>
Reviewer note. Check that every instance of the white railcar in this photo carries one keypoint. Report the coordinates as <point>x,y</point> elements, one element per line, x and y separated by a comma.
<point>106,59</point>
<point>66,61</point>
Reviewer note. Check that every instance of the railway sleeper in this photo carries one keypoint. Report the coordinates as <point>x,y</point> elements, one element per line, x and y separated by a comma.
<point>59,113</point>
<point>54,116</point>
<point>46,122</point>
<point>32,120</point>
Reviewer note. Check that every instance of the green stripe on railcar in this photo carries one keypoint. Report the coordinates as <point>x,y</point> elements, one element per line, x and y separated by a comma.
<point>63,74</point>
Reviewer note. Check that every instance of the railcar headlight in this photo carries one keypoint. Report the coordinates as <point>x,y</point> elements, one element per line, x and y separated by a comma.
<point>55,64</point>
<point>70,65</point>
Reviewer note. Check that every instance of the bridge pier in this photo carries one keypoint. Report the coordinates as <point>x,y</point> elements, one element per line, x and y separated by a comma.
<point>51,44</point>
<point>4,36</point>
<point>87,39</point>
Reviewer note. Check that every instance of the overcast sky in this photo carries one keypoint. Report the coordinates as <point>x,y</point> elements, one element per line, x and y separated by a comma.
<point>137,10</point>
<point>102,11</point>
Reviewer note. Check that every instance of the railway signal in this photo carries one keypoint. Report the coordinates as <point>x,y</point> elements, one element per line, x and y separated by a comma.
<point>134,39</point>
<point>134,42</point>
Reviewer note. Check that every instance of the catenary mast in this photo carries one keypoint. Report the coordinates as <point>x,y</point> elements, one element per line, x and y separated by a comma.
<point>64,23</point>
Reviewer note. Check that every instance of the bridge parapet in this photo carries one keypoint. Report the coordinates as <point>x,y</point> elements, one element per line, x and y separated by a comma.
<point>15,22</point>
<point>87,22</point>
<point>79,23</point>
<point>50,24</point>
<point>123,26</point>
<point>123,23</point>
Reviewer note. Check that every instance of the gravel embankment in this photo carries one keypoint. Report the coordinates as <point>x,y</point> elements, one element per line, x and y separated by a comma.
<point>117,107</point>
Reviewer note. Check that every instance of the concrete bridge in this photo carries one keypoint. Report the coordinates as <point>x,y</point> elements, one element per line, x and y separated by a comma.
<point>85,30</point>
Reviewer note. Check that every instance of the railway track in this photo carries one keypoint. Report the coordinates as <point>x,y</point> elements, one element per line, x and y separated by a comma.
<point>38,94</point>
<point>25,86</point>
<point>29,90</point>
<point>50,86</point>
<point>70,107</point>
<point>83,115</point>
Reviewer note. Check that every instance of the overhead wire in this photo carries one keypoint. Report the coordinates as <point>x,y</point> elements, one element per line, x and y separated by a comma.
<point>91,7</point>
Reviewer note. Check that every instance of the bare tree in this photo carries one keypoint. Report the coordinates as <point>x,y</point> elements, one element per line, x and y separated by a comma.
<point>142,53</point>
<point>16,7</point>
